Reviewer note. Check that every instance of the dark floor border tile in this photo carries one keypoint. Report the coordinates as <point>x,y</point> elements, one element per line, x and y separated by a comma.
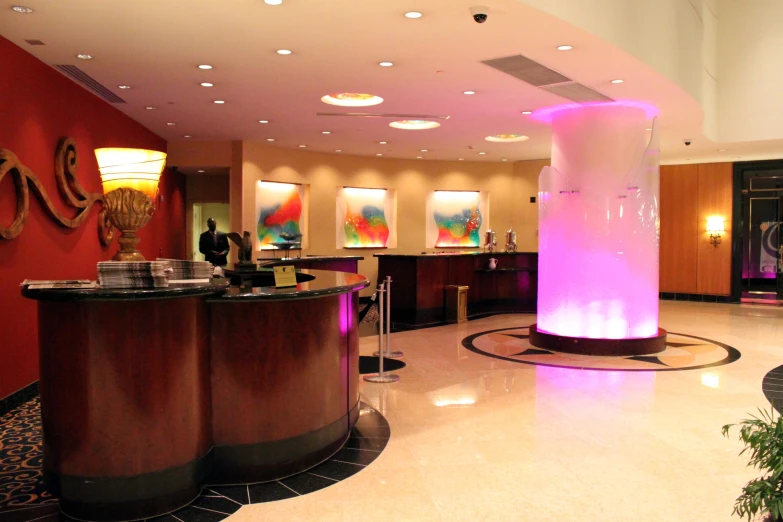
<point>18,398</point>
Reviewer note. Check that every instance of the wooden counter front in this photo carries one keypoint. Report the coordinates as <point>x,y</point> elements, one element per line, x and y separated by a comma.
<point>419,284</point>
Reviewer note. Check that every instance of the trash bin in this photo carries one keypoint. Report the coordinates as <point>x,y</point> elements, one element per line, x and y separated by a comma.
<point>456,304</point>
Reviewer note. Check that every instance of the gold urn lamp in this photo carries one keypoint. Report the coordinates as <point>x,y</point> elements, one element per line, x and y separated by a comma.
<point>130,183</point>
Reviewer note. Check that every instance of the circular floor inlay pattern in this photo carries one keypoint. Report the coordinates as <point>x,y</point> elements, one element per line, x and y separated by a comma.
<point>22,488</point>
<point>683,352</point>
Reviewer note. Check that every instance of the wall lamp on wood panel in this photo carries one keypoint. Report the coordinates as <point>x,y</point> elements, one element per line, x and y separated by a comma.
<point>715,227</point>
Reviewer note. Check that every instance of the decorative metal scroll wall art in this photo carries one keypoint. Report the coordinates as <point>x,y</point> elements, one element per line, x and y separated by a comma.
<point>65,164</point>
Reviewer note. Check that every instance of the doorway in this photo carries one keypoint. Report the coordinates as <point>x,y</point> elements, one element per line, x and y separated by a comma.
<point>762,215</point>
<point>201,212</point>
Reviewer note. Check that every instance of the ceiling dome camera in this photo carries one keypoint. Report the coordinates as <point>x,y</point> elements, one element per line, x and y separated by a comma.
<point>480,13</point>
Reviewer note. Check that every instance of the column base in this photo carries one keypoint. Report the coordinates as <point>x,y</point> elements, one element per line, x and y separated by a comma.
<point>602,347</point>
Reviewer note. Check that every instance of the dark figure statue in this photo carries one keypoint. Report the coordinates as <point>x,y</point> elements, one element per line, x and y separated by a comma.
<point>245,245</point>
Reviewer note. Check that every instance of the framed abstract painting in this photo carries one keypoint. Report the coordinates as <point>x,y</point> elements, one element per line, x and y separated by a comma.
<point>366,218</point>
<point>456,218</point>
<point>279,210</point>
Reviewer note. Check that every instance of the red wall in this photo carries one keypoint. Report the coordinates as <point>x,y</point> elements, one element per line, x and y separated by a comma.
<point>39,105</point>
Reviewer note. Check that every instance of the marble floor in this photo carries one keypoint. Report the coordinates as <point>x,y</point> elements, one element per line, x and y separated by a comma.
<point>476,438</point>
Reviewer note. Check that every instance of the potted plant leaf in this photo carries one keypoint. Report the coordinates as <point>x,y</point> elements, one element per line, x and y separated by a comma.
<point>763,439</point>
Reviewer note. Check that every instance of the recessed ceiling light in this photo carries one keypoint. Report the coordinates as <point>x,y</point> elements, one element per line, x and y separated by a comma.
<point>200,170</point>
<point>423,150</point>
<point>461,159</point>
<point>24,10</point>
<point>418,157</point>
<point>205,67</point>
<point>506,138</point>
<point>84,56</point>
<point>171,124</point>
<point>326,132</point>
<point>648,129</point>
<point>263,121</point>
<point>302,146</point>
<point>482,153</point>
<point>617,81</point>
<point>150,108</point>
<point>469,92</point>
<point>188,136</point>
<point>206,84</point>
<point>352,99</point>
<point>283,51</point>
<point>527,112</point>
<point>273,2</point>
<point>503,159</point>
<point>414,124</point>
<point>564,47</point>
<point>721,150</point>
<point>219,102</point>
<point>413,14</point>
<point>270,139</point>
<point>124,86</point>
<point>379,154</point>
<point>382,142</point>
<point>736,157</point>
<point>338,150</point>
<point>386,64</point>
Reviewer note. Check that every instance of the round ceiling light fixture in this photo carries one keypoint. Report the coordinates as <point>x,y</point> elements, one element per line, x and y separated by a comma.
<point>302,146</point>
<point>482,153</point>
<point>124,86</point>
<point>414,124</point>
<point>205,67</point>
<point>201,171</point>
<point>386,64</point>
<point>270,139</point>
<point>283,51</point>
<point>187,136</point>
<point>84,56</point>
<point>419,157</point>
<point>338,150</point>
<point>413,14</point>
<point>150,108</point>
<point>207,84</point>
<point>382,142</point>
<point>506,138</point>
<point>263,121</point>
<point>379,154</point>
<point>24,10</point>
<point>352,99</point>
<point>219,102</point>
<point>564,47</point>
<point>171,124</point>
<point>617,81</point>
<point>273,2</point>
<point>326,132</point>
<point>469,92</point>
<point>527,112</point>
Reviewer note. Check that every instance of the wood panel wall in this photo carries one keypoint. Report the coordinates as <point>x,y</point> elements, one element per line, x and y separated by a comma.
<point>689,195</point>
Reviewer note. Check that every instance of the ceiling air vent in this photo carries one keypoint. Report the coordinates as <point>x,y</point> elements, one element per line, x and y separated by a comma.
<point>527,70</point>
<point>384,115</point>
<point>90,82</point>
<point>577,92</point>
<point>35,42</point>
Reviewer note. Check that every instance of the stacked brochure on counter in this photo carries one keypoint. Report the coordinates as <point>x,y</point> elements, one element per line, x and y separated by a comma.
<point>38,284</point>
<point>134,274</point>
<point>184,271</point>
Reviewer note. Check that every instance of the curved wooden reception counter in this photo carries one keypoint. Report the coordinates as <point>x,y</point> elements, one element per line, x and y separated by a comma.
<point>147,395</point>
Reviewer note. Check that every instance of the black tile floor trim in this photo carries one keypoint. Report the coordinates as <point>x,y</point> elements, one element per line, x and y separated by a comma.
<point>733,355</point>
<point>366,441</point>
<point>772,386</point>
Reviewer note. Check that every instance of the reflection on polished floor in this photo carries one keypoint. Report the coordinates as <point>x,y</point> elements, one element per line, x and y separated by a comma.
<point>477,438</point>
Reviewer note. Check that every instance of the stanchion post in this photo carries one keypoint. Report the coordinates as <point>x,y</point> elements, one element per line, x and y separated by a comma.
<point>389,353</point>
<point>381,377</point>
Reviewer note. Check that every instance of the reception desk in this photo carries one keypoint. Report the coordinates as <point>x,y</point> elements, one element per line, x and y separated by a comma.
<point>420,281</point>
<point>148,395</point>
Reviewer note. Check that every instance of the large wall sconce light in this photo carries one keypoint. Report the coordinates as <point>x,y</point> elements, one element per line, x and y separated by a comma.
<point>715,227</point>
<point>130,183</point>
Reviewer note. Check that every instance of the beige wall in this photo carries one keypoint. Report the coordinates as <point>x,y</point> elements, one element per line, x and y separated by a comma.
<point>510,187</point>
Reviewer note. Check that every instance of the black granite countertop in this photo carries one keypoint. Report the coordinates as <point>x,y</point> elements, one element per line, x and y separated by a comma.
<point>311,283</point>
<point>310,258</point>
<point>218,286</point>
<point>453,254</point>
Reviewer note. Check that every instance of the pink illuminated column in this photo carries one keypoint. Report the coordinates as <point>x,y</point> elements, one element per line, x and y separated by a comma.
<point>598,224</point>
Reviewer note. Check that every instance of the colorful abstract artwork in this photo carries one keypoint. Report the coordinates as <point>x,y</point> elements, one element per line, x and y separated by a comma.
<point>279,211</point>
<point>364,222</point>
<point>457,218</point>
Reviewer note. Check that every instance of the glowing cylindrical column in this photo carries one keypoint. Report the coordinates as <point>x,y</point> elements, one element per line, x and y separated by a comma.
<point>598,225</point>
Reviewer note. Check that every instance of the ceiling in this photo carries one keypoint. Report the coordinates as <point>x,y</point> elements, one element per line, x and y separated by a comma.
<point>155,47</point>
